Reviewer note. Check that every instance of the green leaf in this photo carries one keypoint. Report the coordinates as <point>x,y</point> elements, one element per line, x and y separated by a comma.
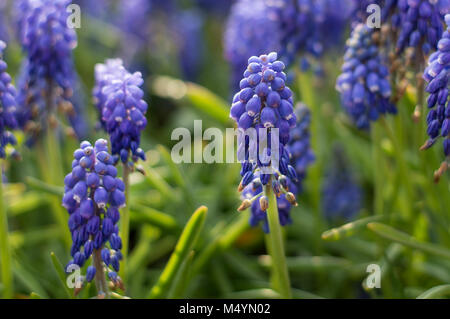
<point>393,234</point>
<point>348,229</point>
<point>28,279</point>
<point>156,181</point>
<point>142,214</point>
<point>263,293</point>
<point>208,102</point>
<point>309,263</point>
<point>174,169</point>
<point>59,269</point>
<point>185,244</point>
<point>222,241</point>
<point>436,292</point>
<point>39,185</point>
<point>182,278</point>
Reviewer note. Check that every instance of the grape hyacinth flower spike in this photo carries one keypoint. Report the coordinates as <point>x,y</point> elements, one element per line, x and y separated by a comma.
<point>118,97</point>
<point>250,30</point>
<point>48,79</point>
<point>264,103</point>
<point>264,106</point>
<point>7,107</point>
<point>93,195</point>
<point>437,74</point>
<point>364,83</point>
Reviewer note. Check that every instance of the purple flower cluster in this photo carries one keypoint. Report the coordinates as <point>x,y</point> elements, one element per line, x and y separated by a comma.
<point>311,26</point>
<point>364,83</point>
<point>264,102</point>
<point>4,34</point>
<point>134,19</point>
<point>48,77</point>
<point>118,97</point>
<point>419,24</point>
<point>188,28</point>
<point>437,74</point>
<point>93,195</point>
<point>252,29</point>
<point>299,146</point>
<point>7,106</point>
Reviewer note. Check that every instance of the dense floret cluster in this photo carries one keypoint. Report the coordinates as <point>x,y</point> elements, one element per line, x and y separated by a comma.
<point>118,97</point>
<point>252,29</point>
<point>93,195</point>
<point>437,74</point>
<point>7,106</point>
<point>364,83</point>
<point>48,79</point>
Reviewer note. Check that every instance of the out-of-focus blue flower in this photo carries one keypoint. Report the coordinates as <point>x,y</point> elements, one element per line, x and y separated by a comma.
<point>4,34</point>
<point>311,26</point>
<point>7,106</point>
<point>299,146</point>
<point>252,28</point>
<point>364,83</point>
<point>93,195</point>
<point>48,79</point>
<point>188,27</point>
<point>98,9</point>
<point>437,74</point>
<point>420,24</point>
<point>134,19</point>
<point>341,195</point>
<point>217,6</point>
<point>264,102</point>
<point>119,98</point>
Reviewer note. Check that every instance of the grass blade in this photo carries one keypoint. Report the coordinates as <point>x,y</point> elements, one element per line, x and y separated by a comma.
<point>436,292</point>
<point>5,250</point>
<point>59,269</point>
<point>142,214</point>
<point>208,102</point>
<point>393,234</point>
<point>185,244</point>
<point>348,229</point>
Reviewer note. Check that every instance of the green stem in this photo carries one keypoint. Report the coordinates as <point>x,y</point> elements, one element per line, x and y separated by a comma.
<point>377,170</point>
<point>125,221</point>
<point>276,247</point>
<point>6,271</point>
<point>54,176</point>
<point>100,279</point>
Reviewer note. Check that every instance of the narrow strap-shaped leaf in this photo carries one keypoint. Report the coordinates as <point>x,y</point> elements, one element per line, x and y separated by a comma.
<point>208,102</point>
<point>348,229</point>
<point>155,180</point>
<point>140,213</point>
<point>174,169</point>
<point>181,279</point>
<point>263,293</point>
<point>436,292</point>
<point>59,269</point>
<point>393,234</point>
<point>39,185</point>
<point>185,244</point>
<point>28,279</point>
<point>309,263</point>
